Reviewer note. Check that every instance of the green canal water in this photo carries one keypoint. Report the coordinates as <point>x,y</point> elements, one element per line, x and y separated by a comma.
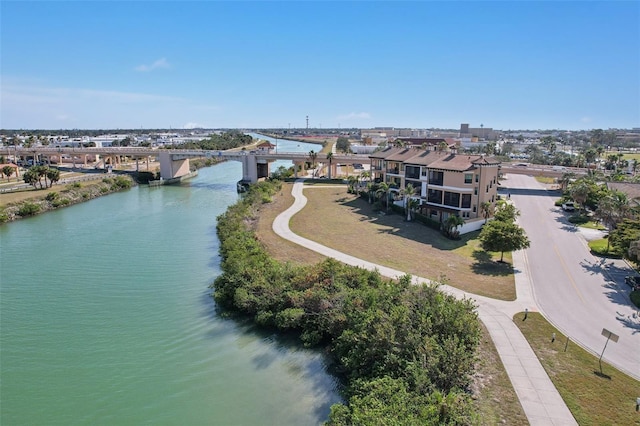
<point>106,319</point>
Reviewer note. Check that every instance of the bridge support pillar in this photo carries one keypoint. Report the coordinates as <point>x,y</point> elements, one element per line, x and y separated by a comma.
<point>249,169</point>
<point>171,168</point>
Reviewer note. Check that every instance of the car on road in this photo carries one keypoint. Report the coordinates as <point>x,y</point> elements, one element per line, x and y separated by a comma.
<point>568,206</point>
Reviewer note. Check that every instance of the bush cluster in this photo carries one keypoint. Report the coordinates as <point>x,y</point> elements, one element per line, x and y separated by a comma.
<point>405,351</point>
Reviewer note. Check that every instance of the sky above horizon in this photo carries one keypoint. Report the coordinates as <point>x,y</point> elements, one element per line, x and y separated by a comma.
<point>161,64</point>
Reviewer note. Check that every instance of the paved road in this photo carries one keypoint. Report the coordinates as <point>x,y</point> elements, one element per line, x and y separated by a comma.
<point>579,293</point>
<point>540,400</point>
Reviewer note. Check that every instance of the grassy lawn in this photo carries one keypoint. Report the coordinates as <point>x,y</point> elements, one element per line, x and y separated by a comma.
<point>599,247</point>
<point>349,224</point>
<point>593,399</point>
<point>546,179</point>
<point>631,157</point>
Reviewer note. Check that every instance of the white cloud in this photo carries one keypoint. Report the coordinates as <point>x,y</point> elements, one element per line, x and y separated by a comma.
<point>192,125</point>
<point>160,63</point>
<point>355,116</point>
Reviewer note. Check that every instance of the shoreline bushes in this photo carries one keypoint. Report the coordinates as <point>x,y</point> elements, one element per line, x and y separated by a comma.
<point>406,352</point>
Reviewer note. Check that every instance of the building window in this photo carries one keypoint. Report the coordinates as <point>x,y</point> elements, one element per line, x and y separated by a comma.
<point>466,201</point>
<point>436,178</point>
<point>475,191</point>
<point>451,199</point>
<point>468,178</point>
<point>434,196</point>
<point>424,172</point>
<point>477,177</point>
<point>487,188</point>
<point>474,209</point>
<point>412,172</point>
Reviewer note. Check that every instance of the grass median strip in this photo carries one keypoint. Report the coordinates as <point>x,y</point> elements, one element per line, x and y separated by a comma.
<point>593,399</point>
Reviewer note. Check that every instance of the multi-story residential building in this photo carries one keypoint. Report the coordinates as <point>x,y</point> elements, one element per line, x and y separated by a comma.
<point>447,183</point>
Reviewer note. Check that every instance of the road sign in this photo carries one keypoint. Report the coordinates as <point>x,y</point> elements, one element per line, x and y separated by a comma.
<point>609,335</point>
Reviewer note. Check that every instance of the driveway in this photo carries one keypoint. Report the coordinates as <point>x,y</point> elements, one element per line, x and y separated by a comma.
<point>576,291</point>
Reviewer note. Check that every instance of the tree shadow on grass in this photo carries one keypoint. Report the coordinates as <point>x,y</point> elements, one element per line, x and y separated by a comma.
<point>396,224</point>
<point>485,265</point>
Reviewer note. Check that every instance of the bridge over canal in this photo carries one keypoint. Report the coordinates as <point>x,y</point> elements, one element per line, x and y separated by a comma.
<point>174,163</point>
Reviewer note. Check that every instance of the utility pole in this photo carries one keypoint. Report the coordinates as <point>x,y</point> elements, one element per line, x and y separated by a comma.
<point>307,122</point>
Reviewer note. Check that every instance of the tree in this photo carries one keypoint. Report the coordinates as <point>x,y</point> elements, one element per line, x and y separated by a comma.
<point>8,171</point>
<point>412,205</point>
<point>383,191</point>
<point>487,209</point>
<point>312,160</point>
<point>503,236</point>
<point>329,157</point>
<point>565,180</point>
<point>408,191</point>
<point>506,212</point>
<point>53,175</point>
<point>343,145</point>
<point>30,177</point>
<point>352,181</point>
<point>451,226</point>
<point>366,175</point>
<point>621,238</point>
<point>579,192</point>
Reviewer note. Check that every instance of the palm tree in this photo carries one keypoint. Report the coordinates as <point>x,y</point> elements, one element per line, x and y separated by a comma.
<point>408,191</point>
<point>370,192</point>
<point>412,205</point>
<point>579,191</point>
<point>487,209</point>
<point>365,175</point>
<point>451,226</point>
<point>329,157</point>
<point>312,160</point>
<point>565,180</point>
<point>383,191</point>
<point>352,182</point>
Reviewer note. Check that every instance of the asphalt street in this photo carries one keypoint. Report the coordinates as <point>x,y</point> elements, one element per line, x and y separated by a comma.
<point>576,291</point>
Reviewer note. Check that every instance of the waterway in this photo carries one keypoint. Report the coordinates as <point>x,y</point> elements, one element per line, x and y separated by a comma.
<point>106,318</point>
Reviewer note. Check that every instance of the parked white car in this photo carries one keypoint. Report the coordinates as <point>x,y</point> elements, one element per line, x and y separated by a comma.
<point>568,206</point>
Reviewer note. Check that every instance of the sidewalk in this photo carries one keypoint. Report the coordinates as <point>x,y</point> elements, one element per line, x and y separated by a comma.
<point>540,400</point>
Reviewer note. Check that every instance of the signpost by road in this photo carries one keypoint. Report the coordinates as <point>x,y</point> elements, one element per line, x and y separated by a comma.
<point>610,336</point>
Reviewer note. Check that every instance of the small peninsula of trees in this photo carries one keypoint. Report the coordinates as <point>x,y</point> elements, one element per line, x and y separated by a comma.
<point>405,352</point>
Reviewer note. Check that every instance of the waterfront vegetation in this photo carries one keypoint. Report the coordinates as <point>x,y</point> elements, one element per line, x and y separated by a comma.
<point>592,397</point>
<point>406,353</point>
<point>28,203</point>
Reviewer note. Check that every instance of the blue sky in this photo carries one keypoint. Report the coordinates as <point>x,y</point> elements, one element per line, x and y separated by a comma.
<point>160,64</point>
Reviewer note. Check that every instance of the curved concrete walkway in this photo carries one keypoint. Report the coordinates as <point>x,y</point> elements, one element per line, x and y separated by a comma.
<point>540,400</point>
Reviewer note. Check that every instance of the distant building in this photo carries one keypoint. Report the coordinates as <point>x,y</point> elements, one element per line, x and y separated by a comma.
<point>481,132</point>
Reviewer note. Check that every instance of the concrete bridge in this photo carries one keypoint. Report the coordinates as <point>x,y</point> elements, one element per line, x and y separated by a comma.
<point>174,163</point>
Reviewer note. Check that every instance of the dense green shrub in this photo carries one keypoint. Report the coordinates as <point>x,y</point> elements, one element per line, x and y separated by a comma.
<point>28,209</point>
<point>579,219</point>
<point>59,202</point>
<point>52,196</point>
<point>635,298</point>
<point>388,338</point>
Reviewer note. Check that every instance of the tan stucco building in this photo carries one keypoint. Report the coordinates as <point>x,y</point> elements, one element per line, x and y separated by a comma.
<point>446,183</point>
